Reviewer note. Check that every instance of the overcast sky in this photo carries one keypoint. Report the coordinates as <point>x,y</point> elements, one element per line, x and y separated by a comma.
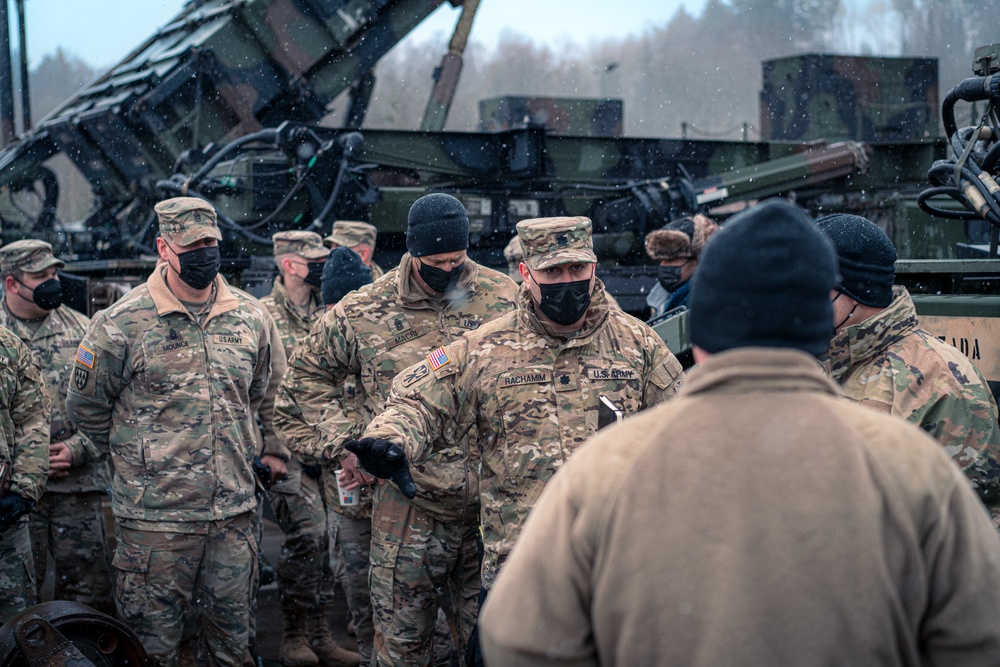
<point>103,31</point>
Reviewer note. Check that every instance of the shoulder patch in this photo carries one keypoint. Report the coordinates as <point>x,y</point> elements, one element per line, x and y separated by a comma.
<point>85,356</point>
<point>438,359</point>
<point>416,374</point>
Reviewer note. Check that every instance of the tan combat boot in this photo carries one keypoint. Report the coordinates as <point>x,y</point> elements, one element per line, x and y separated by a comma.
<point>329,652</point>
<point>295,650</point>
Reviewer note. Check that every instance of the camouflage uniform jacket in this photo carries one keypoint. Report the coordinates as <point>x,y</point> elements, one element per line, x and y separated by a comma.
<point>175,401</point>
<point>24,418</point>
<point>376,270</point>
<point>294,322</point>
<point>889,363</point>
<point>375,333</point>
<point>54,345</point>
<point>533,396</point>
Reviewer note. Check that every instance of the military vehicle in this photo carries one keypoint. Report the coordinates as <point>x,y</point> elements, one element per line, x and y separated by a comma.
<point>226,102</point>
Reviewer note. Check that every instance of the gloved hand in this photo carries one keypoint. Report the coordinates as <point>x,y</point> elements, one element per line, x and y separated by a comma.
<point>12,507</point>
<point>384,459</point>
<point>313,470</point>
<point>263,472</point>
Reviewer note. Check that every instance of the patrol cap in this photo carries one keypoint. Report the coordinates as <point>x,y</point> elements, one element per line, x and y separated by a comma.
<point>513,253</point>
<point>349,233</point>
<point>28,255</point>
<point>187,219</point>
<point>546,242</point>
<point>300,242</point>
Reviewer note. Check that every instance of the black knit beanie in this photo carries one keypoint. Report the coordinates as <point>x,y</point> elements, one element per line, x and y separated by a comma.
<point>437,223</point>
<point>866,256</point>
<point>764,280</point>
<point>343,272</point>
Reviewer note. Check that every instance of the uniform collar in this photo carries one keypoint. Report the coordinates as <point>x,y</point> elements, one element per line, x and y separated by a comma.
<point>869,339</point>
<point>166,302</point>
<point>280,296</point>
<point>50,325</point>
<point>413,296</point>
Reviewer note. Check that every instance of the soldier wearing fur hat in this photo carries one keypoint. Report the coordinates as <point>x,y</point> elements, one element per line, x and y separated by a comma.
<point>530,384</point>
<point>676,247</point>
<point>67,522</point>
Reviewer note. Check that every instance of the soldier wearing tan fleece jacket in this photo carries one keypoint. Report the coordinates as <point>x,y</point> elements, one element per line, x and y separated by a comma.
<point>759,518</point>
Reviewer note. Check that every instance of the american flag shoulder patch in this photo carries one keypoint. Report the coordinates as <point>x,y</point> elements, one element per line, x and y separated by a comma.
<point>85,357</point>
<point>438,358</point>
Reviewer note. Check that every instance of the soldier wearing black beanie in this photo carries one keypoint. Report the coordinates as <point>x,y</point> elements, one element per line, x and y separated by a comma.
<point>343,272</point>
<point>764,280</point>
<point>866,256</point>
<point>437,223</point>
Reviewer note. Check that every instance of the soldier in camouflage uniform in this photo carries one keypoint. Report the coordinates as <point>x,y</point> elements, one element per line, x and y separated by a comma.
<point>68,521</point>
<point>24,459</point>
<point>423,552</point>
<point>352,524</point>
<point>881,358</point>
<point>514,256</point>
<point>359,237</point>
<point>169,379</point>
<point>305,579</point>
<point>529,384</point>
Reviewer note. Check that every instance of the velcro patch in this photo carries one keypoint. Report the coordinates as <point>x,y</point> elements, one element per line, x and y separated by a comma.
<point>416,374</point>
<point>228,339</point>
<point>438,358</point>
<point>516,378</point>
<point>85,356</point>
<point>612,374</point>
<point>80,377</point>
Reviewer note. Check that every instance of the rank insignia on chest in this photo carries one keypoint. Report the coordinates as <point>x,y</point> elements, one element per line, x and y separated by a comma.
<point>399,324</point>
<point>80,377</point>
<point>85,357</point>
<point>438,359</point>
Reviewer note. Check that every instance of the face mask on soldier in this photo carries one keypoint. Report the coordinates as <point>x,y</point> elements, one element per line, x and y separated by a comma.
<point>200,266</point>
<point>314,277</point>
<point>440,280</point>
<point>46,295</point>
<point>565,303</point>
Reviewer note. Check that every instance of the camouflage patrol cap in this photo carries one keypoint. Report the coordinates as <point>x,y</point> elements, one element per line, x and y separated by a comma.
<point>187,219</point>
<point>546,242</point>
<point>349,233</point>
<point>301,243</point>
<point>28,255</point>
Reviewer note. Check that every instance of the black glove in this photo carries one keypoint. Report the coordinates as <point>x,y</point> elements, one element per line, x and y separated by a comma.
<point>263,472</point>
<point>313,470</point>
<point>12,507</point>
<point>386,460</point>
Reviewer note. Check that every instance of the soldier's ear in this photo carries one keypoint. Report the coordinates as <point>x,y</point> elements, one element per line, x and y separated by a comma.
<point>525,274</point>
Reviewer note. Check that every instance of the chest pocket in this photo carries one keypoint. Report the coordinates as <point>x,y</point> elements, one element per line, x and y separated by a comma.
<point>619,381</point>
<point>174,365</point>
<point>388,358</point>
<point>527,425</point>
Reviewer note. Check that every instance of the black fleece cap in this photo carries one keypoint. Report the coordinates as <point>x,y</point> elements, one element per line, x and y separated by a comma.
<point>764,280</point>
<point>436,223</point>
<point>343,272</point>
<point>866,255</point>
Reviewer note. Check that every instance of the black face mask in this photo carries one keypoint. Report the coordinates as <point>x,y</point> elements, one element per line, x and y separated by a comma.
<point>199,267</point>
<point>438,279</point>
<point>565,303</point>
<point>46,295</point>
<point>669,277</point>
<point>315,275</point>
